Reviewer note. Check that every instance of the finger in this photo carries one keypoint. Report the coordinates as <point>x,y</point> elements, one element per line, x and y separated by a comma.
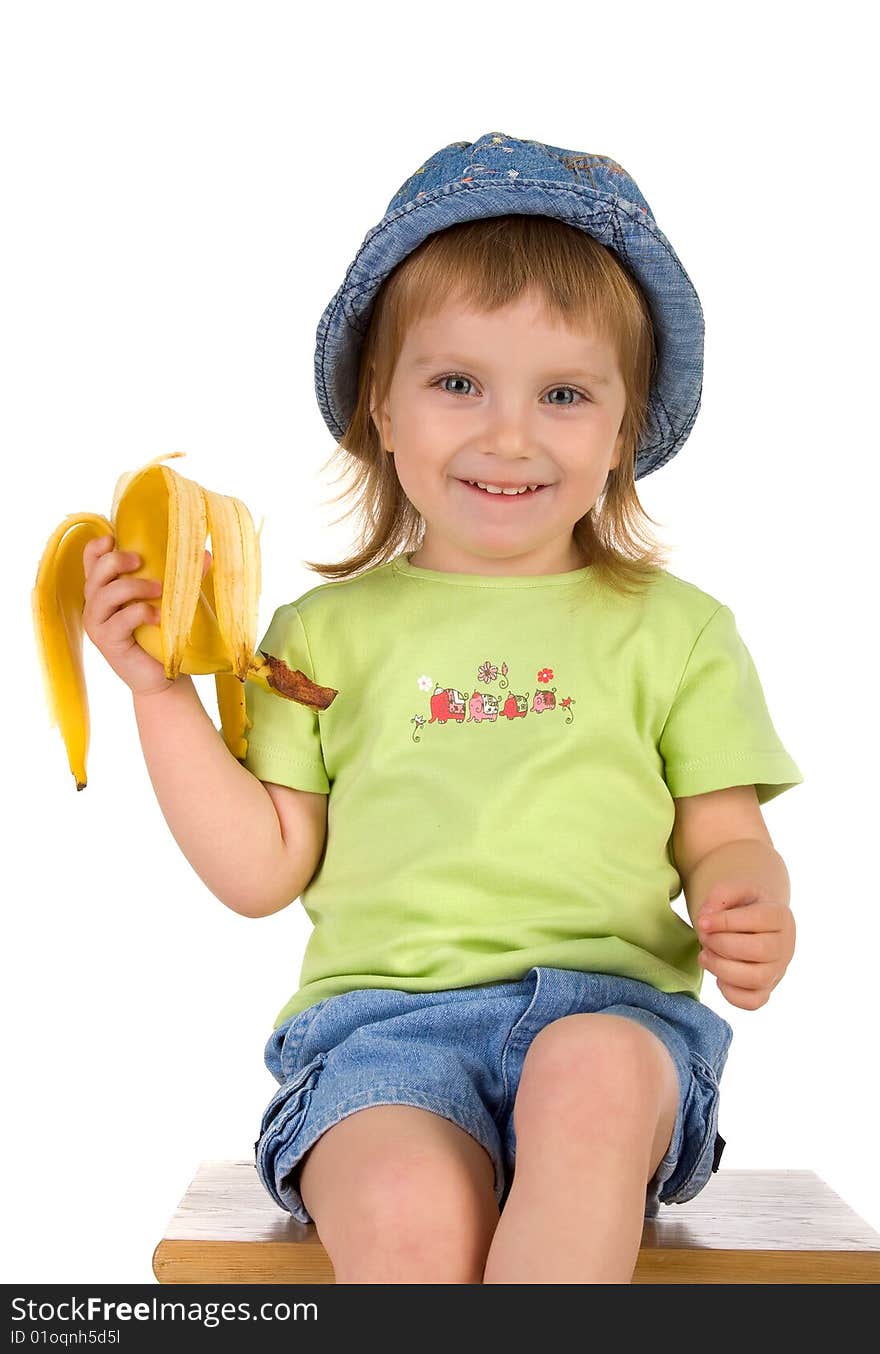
<point>116,595</point>
<point>99,545</point>
<point>125,621</point>
<point>94,549</point>
<point>736,971</point>
<point>762,948</point>
<point>741,996</point>
<point>110,566</point>
<point>102,563</point>
<point>749,917</point>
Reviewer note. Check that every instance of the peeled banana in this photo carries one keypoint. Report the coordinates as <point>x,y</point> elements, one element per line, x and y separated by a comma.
<point>208,624</point>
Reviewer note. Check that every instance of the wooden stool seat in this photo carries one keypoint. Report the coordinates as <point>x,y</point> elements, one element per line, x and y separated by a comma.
<point>743,1227</point>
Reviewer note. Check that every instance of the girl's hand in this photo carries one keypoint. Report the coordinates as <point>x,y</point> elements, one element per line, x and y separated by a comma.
<point>748,942</point>
<point>115,606</point>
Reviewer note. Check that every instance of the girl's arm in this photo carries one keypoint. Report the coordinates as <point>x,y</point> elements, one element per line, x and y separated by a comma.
<point>221,816</point>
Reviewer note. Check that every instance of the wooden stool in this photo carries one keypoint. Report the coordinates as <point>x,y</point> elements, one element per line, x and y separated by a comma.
<point>743,1227</point>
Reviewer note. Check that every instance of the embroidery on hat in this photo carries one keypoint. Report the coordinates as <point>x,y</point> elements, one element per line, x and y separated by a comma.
<point>584,164</point>
<point>404,188</point>
<point>405,185</point>
<point>495,142</point>
<point>472,170</point>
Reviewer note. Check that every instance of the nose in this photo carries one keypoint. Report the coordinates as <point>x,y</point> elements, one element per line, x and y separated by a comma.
<point>508,430</point>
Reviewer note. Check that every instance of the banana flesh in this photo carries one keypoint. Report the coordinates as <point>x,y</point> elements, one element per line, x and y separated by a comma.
<point>208,624</point>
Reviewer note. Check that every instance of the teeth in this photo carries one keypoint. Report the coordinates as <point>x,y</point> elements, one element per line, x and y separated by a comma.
<point>496,489</point>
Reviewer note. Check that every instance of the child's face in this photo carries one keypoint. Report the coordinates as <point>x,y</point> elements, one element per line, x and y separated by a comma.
<point>508,398</point>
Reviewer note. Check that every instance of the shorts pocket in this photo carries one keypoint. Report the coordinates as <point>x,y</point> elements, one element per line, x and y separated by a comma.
<point>698,1154</point>
<point>284,1044</point>
<point>281,1122</point>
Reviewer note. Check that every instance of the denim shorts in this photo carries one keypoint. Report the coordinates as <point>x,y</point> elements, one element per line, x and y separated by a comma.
<point>460,1053</point>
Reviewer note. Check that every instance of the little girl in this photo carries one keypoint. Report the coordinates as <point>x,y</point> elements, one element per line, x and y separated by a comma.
<point>540,738</point>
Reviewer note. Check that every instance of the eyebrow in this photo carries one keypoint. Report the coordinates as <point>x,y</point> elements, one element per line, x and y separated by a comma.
<point>441,360</point>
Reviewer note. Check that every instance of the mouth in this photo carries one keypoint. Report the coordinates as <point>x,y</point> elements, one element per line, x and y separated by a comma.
<point>505,496</point>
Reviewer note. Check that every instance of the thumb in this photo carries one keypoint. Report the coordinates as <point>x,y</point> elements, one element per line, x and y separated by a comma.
<point>724,895</point>
<point>715,899</point>
<point>206,563</point>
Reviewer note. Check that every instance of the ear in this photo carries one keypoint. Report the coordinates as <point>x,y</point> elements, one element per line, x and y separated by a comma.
<point>381,422</point>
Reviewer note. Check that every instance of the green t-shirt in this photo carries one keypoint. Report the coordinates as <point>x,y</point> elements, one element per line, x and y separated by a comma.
<point>501,761</point>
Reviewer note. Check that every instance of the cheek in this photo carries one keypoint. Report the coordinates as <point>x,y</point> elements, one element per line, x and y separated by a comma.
<point>418,481</point>
<point>580,489</point>
<point>422,459</point>
<point>580,479</point>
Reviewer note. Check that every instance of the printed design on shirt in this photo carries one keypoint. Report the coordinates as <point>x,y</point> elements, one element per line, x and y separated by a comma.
<point>449,705</point>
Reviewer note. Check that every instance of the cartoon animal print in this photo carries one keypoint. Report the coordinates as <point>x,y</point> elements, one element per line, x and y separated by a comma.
<point>483,705</point>
<point>515,707</point>
<point>447,703</point>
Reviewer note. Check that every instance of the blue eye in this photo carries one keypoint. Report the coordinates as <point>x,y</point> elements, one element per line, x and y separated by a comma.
<point>573,392</point>
<point>455,376</point>
<point>452,377</point>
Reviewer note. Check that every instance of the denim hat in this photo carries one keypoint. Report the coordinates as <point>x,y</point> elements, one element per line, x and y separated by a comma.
<point>497,175</point>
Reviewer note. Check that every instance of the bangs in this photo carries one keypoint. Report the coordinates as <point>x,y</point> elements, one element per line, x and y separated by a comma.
<point>487,264</point>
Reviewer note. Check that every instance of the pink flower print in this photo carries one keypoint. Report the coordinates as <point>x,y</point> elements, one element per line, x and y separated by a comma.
<point>425,683</point>
<point>545,675</point>
<point>487,672</point>
<point>566,702</point>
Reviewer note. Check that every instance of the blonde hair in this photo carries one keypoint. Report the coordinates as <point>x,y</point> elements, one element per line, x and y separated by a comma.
<point>491,262</point>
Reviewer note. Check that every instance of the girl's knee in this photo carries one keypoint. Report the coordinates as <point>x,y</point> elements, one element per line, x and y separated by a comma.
<point>587,1066</point>
<point>397,1190</point>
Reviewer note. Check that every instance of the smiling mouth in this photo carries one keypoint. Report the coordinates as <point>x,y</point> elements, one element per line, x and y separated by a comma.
<point>503,495</point>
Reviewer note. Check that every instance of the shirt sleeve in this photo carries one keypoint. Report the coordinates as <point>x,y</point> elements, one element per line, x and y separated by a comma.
<point>284,742</point>
<point>718,731</point>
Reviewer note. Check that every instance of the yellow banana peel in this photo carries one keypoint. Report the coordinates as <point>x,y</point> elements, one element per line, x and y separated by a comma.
<point>208,623</point>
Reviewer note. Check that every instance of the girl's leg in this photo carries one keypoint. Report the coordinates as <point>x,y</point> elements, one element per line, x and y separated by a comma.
<point>594,1116</point>
<point>401,1195</point>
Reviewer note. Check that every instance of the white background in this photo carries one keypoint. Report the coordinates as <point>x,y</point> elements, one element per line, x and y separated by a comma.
<point>185,185</point>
